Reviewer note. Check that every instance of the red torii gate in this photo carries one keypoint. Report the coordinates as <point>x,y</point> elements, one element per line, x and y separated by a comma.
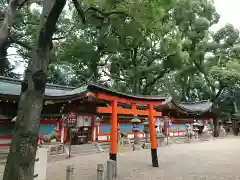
<point>115,110</point>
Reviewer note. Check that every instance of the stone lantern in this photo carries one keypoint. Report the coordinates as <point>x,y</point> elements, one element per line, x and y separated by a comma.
<point>146,130</point>
<point>195,128</point>
<point>159,125</point>
<point>135,129</point>
<point>146,144</point>
<point>119,139</point>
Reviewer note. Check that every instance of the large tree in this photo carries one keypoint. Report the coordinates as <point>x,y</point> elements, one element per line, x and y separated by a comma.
<point>213,63</point>
<point>21,157</point>
<point>122,41</point>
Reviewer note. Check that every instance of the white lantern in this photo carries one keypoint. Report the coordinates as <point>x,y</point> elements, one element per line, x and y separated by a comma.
<point>97,120</point>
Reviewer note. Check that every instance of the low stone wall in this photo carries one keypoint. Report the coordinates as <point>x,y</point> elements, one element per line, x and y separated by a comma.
<point>54,149</point>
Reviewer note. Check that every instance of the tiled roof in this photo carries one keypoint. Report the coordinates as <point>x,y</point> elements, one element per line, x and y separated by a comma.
<point>95,87</point>
<point>198,107</point>
<point>12,87</point>
<point>9,86</point>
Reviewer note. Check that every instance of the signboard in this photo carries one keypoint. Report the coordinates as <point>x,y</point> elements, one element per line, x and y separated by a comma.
<point>71,119</point>
<point>87,121</point>
<point>49,102</point>
<point>80,121</point>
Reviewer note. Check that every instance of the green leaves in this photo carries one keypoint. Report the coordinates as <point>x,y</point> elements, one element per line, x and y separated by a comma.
<point>138,44</point>
<point>228,75</point>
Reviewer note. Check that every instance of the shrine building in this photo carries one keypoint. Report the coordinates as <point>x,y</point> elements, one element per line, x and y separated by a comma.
<point>88,110</point>
<point>182,113</point>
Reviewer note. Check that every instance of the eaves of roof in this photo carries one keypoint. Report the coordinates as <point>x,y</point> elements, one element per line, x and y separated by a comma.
<point>12,87</point>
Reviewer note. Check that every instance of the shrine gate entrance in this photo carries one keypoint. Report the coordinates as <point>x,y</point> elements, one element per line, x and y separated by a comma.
<point>114,101</point>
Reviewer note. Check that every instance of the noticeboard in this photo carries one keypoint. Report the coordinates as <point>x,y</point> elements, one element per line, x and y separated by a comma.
<point>71,119</point>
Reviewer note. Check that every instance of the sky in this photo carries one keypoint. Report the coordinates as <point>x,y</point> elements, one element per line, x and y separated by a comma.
<point>228,10</point>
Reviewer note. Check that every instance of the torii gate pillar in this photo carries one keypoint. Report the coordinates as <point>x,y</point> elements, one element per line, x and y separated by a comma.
<point>152,136</point>
<point>113,132</point>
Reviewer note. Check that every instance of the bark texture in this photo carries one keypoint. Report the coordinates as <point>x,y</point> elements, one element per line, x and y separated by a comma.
<point>216,127</point>
<point>3,57</point>
<point>21,157</point>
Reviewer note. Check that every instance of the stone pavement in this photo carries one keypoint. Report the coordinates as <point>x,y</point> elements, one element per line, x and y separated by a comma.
<point>211,160</point>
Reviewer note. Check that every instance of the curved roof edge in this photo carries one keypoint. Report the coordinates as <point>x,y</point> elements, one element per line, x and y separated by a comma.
<point>12,87</point>
<point>198,107</point>
<point>96,87</point>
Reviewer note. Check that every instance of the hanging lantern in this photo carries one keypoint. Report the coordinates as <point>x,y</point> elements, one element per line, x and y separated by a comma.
<point>97,120</point>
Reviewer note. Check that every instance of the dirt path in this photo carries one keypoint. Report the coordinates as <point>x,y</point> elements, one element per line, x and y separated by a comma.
<point>212,160</point>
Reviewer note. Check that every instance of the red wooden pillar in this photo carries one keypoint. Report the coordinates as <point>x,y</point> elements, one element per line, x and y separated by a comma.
<point>59,130</point>
<point>65,135</point>
<point>178,131</point>
<point>134,106</point>
<point>92,128</point>
<point>97,132</point>
<point>113,132</point>
<point>153,139</point>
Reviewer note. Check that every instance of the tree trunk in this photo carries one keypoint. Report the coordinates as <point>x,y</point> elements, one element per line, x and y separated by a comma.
<point>21,157</point>
<point>235,127</point>
<point>4,64</point>
<point>216,127</point>
<point>20,162</point>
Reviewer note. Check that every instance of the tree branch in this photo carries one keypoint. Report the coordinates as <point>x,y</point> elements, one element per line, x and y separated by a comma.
<point>21,3</point>
<point>1,16</point>
<point>58,38</point>
<point>20,43</point>
<point>79,10</point>
<point>113,76</point>
<point>8,21</point>
<point>151,83</point>
<point>218,94</point>
<point>201,70</point>
<point>105,61</point>
<point>48,25</point>
<point>108,13</point>
<point>105,15</point>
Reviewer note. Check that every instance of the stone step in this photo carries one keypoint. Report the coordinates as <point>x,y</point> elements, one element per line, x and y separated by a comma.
<point>76,151</point>
<point>85,149</point>
<point>88,146</point>
<point>3,155</point>
<point>105,146</point>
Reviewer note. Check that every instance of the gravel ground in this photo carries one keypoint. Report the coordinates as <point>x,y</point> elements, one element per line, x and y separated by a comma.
<point>211,160</point>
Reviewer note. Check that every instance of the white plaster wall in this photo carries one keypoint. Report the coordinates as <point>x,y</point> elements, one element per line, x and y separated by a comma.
<point>102,138</point>
<point>5,141</point>
<point>41,165</point>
